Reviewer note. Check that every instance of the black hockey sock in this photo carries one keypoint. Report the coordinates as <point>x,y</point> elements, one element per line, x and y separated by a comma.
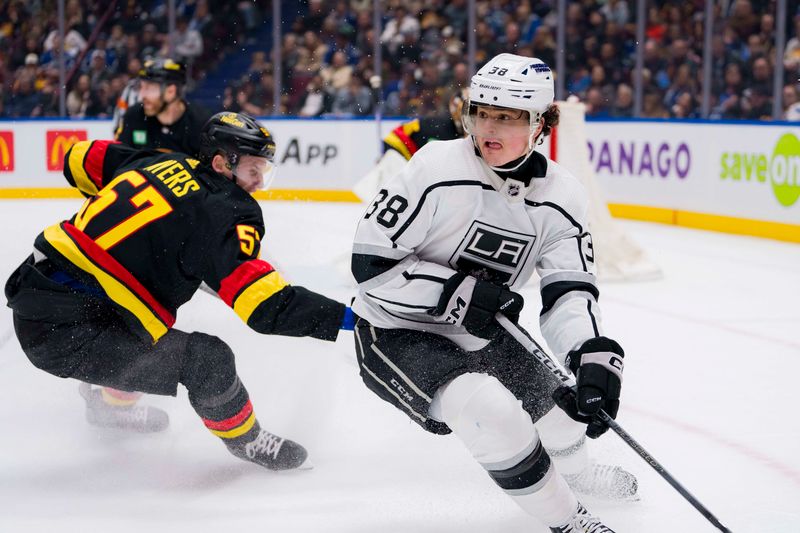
<point>229,415</point>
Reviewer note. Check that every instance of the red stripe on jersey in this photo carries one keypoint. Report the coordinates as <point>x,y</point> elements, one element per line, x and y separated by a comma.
<point>232,422</point>
<point>93,164</point>
<point>105,261</point>
<point>401,134</point>
<point>244,274</point>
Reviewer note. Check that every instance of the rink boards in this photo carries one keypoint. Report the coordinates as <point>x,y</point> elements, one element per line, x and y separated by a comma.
<point>734,177</point>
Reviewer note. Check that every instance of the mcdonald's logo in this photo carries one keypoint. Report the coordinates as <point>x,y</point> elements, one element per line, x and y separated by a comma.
<point>6,151</point>
<point>58,142</point>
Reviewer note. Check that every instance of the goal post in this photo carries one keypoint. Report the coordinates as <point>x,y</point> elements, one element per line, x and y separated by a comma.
<point>618,257</point>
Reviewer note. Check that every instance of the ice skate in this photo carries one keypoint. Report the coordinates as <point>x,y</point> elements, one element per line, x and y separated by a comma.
<point>272,452</point>
<point>605,481</point>
<point>136,418</point>
<point>582,522</point>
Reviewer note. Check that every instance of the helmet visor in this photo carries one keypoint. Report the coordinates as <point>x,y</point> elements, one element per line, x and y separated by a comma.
<point>254,173</point>
<point>496,122</point>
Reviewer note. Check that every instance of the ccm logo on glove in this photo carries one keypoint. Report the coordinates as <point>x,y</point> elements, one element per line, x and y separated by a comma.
<point>472,303</point>
<point>597,366</point>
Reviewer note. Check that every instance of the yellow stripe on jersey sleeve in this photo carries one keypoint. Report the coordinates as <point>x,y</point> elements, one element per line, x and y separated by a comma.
<point>77,156</point>
<point>257,292</point>
<point>394,141</point>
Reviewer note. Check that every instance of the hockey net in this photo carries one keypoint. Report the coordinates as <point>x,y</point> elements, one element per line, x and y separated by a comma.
<point>617,256</point>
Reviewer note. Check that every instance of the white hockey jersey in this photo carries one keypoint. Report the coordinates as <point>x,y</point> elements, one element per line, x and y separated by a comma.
<point>447,211</point>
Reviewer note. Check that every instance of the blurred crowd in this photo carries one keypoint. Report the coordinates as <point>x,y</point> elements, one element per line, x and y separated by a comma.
<point>105,44</point>
<point>327,54</point>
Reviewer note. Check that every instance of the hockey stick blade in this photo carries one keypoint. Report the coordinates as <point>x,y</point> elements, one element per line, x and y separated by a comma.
<point>532,347</point>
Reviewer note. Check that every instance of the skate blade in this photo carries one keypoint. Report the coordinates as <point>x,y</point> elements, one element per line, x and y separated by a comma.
<point>306,465</point>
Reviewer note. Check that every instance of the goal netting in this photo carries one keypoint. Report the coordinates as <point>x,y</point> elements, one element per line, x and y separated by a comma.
<point>617,256</point>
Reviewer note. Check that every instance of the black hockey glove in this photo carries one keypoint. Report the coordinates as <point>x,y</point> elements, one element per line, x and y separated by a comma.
<point>597,366</point>
<point>472,303</point>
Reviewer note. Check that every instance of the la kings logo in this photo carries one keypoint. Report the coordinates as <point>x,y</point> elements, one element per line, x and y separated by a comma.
<point>491,253</point>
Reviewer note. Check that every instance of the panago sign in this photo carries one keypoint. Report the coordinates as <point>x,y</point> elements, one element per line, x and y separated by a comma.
<point>6,151</point>
<point>779,169</point>
<point>58,142</point>
<point>641,158</point>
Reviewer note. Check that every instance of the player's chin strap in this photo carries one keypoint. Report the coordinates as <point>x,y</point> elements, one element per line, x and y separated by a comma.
<point>532,138</point>
<point>532,347</point>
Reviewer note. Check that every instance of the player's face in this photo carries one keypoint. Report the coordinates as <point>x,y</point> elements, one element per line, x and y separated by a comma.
<point>501,134</point>
<point>253,173</point>
<point>150,93</point>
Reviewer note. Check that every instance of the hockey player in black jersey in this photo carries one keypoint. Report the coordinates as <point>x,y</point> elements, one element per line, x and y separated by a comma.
<point>163,120</point>
<point>97,299</point>
<point>406,139</point>
<point>445,246</point>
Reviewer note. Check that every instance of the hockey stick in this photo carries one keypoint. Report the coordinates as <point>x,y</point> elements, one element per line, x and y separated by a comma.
<point>527,342</point>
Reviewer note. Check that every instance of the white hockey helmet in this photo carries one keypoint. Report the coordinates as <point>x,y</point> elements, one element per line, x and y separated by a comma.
<point>508,81</point>
<point>515,82</point>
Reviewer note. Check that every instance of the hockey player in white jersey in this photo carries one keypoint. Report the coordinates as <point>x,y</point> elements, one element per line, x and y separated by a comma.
<point>442,249</point>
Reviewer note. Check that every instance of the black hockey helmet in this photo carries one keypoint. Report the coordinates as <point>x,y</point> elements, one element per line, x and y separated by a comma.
<point>163,70</point>
<point>235,134</point>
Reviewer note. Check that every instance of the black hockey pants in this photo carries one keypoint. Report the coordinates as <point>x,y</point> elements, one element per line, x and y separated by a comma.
<point>78,335</point>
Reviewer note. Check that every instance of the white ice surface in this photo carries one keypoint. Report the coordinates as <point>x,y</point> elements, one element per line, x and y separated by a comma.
<point>711,389</point>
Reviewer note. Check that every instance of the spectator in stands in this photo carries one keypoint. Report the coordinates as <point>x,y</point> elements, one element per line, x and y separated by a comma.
<point>623,104</point>
<point>80,97</point>
<point>317,51</point>
<point>400,25</point>
<point>600,34</point>
<point>188,42</point>
<point>461,77</point>
<point>600,83</point>
<point>510,40</point>
<point>355,99</point>
<point>201,19</point>
<point>683,82</point>
<point>653,105</point>
<point>50,57</point>
<point>457,15</point>
<point>528,22</point>
<point>316,100</point>
<point>337,75</point>
<point>25,100</point>
<point>791,103</point>
<point>742,19</point>
<point>150,43</point>
<point>596,103</point>
<point>544,45</point>
<point>761,72</point>
<point>757,103</point>
<point>74,43</point>
<point>791,54</point>
<point>342,43</point>
<point>101,102</point>
<point>98,70</point>
<point>117,41</point>
<point>729,103</point>
<point>685,106</point>
<point>616,11</point>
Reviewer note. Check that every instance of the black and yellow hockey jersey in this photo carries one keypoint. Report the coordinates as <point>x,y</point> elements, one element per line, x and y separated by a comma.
<point>156,225</point>
<point>140,131</point>
<point>409,137</point>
